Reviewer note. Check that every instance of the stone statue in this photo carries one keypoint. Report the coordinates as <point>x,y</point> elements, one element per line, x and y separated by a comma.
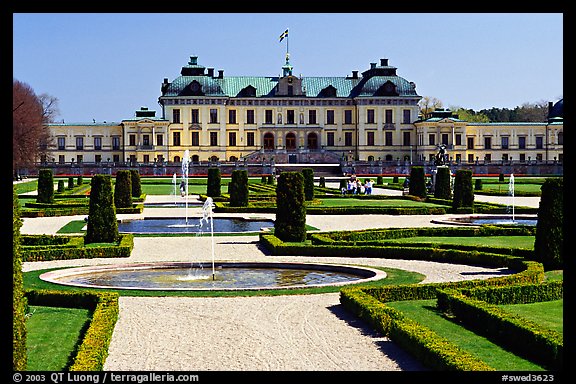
<point>441,155</point>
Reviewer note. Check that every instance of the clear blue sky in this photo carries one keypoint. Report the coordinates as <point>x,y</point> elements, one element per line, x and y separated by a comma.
<point>104,66</point>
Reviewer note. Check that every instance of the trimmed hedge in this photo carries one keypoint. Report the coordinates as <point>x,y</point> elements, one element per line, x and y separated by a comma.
<point>214,188</point>
<point>290,223</point>
<point>238,188</point>
<point>71,182</point>
<point>123,189</point>
<point>463,192</point>
<point>74,249</point>
<point>102,224</point>
<point>509,330</point>
<point>417,182</point>
<point>136,184</point>
<point>93,350</point>
<point>442,183</point>
<point>549,243</point>
<point>308,174</point>
<point>19,354</point>
<point>45,186</point>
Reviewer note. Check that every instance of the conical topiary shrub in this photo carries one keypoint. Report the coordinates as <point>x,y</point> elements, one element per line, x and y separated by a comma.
<point>45,186</point>
<point>417,182</point>
<point>102,224</point>
<point>442,183</point>
<point>238,188</point>
<point>290,223</point>
<point>308,174</point>
<point>549,242</point>
<point>214,187</point>
<point>123,189</point>
<point>463,192</point>
<point>136,184</point>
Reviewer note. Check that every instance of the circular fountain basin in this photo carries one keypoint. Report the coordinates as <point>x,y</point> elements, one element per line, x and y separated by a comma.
<point>526,220</point>
<point>193,225</point>
<point>184,276</point>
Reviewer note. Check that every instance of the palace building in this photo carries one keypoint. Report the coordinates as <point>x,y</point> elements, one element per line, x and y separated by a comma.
<point>371,116</point>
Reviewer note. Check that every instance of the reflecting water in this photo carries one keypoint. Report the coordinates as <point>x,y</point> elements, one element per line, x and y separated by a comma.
<point>222,225</point>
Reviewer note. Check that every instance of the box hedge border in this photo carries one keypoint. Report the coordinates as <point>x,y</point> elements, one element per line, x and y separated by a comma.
<point>477,309</point>
<point>74,249</point>
<point>93,349</point>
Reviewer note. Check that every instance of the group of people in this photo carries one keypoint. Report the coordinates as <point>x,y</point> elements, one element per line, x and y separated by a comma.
<point>355,186</point>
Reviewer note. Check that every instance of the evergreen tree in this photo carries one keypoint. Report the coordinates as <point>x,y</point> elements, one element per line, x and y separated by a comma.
<point>238,188</point>
<point>214,187</point>
<point>102,224</point>
<point>549,242</point>
<point>123,189</point>
<point>463,192</point>
<point>308,174</point>
<point>417,182</point>
<point>442,184</point>
<point>136,183</point>
<point>45,186</point>
<point>290,223</point>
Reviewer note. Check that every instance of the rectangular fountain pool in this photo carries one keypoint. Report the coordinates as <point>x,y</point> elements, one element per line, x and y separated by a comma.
<point>194,225</point>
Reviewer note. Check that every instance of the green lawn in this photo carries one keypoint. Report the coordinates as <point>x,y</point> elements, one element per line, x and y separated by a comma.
<point>525,242</point>
<point>352,202</point>
<point>426,313</point>
<point>52,336</point>
<point>549,314</point>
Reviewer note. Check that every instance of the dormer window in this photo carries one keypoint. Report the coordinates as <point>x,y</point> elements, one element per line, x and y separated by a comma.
<point>248,91</point>
<point>196,88</point>
<point>387,89</point>
<point>329,91</point>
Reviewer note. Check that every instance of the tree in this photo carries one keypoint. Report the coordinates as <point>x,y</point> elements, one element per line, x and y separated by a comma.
<point>214,187</point>
<point>417,182</point>
<point>45,186</point>
<point>549,241</point>
<point>427,105</point>
<point>123,189</point>
<point>102,224</point>
<point>470,115</point>
<point>30,134</point>
<point>463,192</point>
<point>442,183</point>
<point>136,183</point>
<point>290,223</point>
<point>308,174</point>
<point>238,188</point>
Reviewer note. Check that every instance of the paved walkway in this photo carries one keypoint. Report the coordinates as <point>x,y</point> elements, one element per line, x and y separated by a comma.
<point>290,332</point>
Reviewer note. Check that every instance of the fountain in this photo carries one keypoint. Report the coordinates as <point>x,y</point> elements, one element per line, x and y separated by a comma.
<point>175,191</point>
<point>511,193</point>
<point>185,167</point>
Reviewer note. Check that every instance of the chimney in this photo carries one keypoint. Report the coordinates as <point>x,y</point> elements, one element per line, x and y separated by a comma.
<point>220,73</point>
<point>354,74</point>
<point>383,62</point>
<point>165,80</point>
<point>210,72</point>
<point>372,65</point>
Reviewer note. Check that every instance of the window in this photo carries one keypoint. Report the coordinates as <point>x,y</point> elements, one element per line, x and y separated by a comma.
<point>80,143</point>
<point>160,158</point>
<point>97,143</point>
<point>176,138</point>
<point>195,116</point>
<point>388,139</point>
<point>132,140</point>
<point>312,116</point>
<point>290,116</point>
<point>175,115</point>
<point>487,158</point>
<point>560,138</point>
<point>458,139</point>
<point>347,116</point>
<point>195,139</point>
<point>116,158</point>
<point>539,142</point>
<point>115,143</point>
<point>538,157</point>
<point>232,139</point>
<point>504,142</point>
<point>61,159</point>
<point>487,143</point>
<point>348,139</point>
<point>250,139</point>
<point>431,139</point>
<point>232,116</point>
<point>469,143</point>
<point>159,139</point>
<point>388,117</point>
<point>522,157</point>
<point>406,116</point>
<point>330,139</point>
<point>370,116</point>
<point>268,116</point>
<point>330,116</point>
<point>146,140</point>
<point>521,142</point>
<point>80,159</point>
<point>406,138</point>
<point>213,139</point>
<point>250,116</point>
<point>445,138</point>
<point>61,143</point>
<point>370,138</point>
<point>470,157</point>
<point>213,116</point>
<point>268,141</point>
<point>146,158</point>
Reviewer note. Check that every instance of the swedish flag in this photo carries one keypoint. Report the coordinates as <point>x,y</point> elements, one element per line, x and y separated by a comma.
<point>283,35</point>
